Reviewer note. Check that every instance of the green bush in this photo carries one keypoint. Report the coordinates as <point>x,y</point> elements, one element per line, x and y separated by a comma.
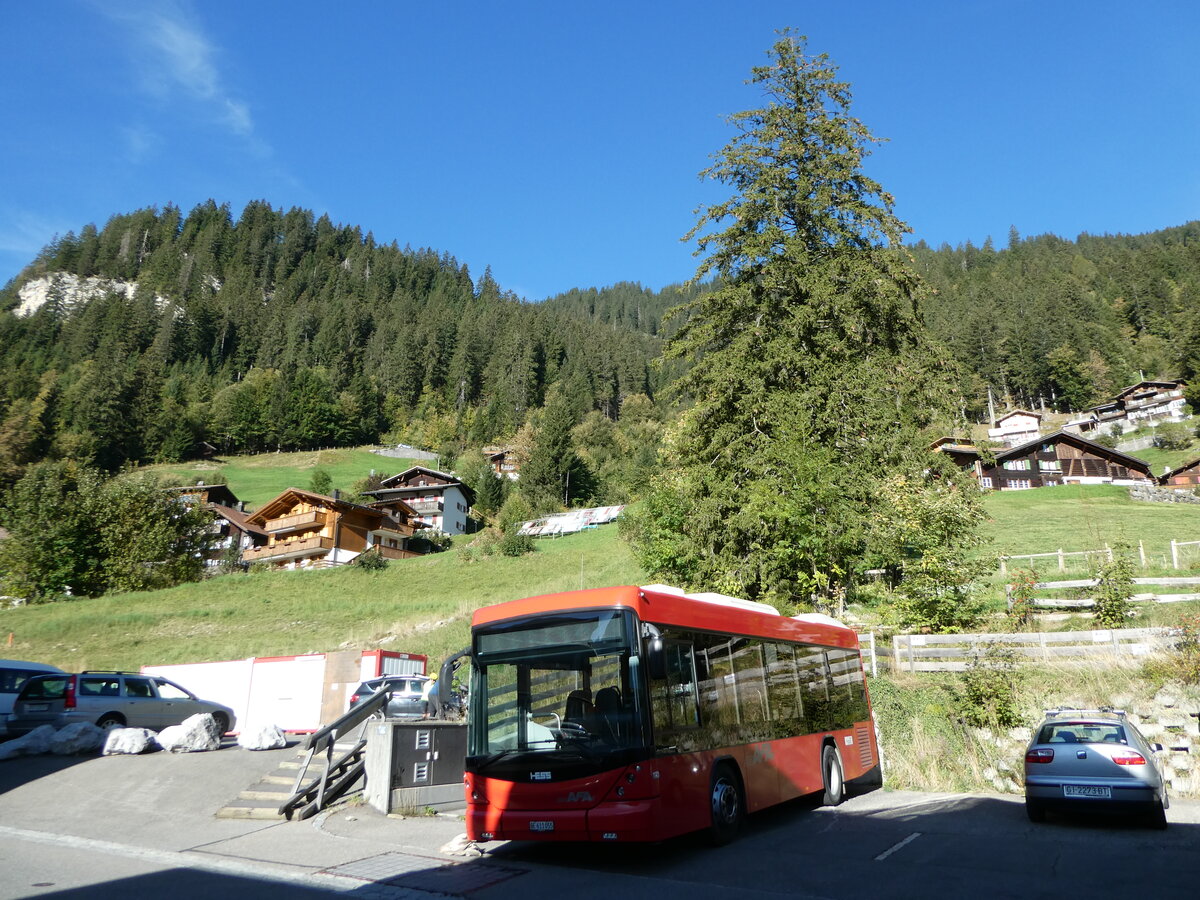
<point>371,560</point>
<point>513,544</point>
<point>988,698</point>
<point>1173,436</point>
<point>1113,589</point>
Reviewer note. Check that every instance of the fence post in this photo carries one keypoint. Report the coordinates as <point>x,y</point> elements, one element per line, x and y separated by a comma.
<point>1003,566</point>
<point>1108,550</point>
<point>1174,554</point>
<point>1142,553</point>
<point>1062,564</point>
<point>912,660</point>
<point>1042,641</point>
<point>874,670</point>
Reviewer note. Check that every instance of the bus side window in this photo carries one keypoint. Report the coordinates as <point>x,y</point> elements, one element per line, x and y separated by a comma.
<point>783,682</point>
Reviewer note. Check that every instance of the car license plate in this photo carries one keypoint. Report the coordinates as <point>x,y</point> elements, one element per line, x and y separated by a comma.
<point>1096,791</point>
<point>541,826</point>
<point>37,707</point>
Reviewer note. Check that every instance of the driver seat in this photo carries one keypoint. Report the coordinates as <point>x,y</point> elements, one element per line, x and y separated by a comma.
<point>579,707</point>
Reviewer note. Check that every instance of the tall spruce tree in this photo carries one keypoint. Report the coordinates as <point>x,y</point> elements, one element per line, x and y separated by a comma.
<point>812,374</point>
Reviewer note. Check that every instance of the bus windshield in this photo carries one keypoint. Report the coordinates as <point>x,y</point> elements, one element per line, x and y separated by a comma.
<point>564,687</point>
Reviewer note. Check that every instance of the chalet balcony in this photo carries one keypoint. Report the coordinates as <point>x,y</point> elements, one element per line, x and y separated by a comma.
<point>426,507</point>
<point>316,518</point>
<point>282,551</point>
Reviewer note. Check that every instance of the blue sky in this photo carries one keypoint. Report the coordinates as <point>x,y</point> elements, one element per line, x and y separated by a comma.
<point>560,142</point>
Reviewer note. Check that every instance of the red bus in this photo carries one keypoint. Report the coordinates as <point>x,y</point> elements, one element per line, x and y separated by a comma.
<point>638,714</point>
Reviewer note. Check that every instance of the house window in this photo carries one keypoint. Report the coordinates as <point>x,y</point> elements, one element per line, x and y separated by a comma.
<point>985,483</point>
<point>1050,465</point>
<point>1047,448</point>
<point>1019,484</point>
<point>1017,465</point>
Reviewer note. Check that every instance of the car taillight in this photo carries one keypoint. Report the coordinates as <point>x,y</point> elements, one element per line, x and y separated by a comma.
<point>354,698</point>
<point>1040,756</point>
<point>1129,759</point>
<point>69,694</point>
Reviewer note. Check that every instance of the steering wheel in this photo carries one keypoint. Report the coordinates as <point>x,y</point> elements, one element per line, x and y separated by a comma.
<point>573,731</point>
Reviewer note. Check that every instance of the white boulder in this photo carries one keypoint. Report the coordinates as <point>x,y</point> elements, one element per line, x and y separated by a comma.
<point>76,738</point>
<point>192,735</point>
<point>129,741</point>
<point>34,743</point>
<point>262,737</point>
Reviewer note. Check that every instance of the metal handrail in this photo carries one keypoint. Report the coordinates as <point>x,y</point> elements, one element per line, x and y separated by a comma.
<point>324,739</point>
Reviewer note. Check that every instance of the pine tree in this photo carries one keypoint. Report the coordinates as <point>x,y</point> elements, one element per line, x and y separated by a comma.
<point>812,374</point>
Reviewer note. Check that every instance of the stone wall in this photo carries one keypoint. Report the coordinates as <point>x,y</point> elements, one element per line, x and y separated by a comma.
<point>1150,494</point>
<point>1170,718</point>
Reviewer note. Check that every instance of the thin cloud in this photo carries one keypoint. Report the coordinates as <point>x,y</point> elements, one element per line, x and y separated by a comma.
<point>179,59</point>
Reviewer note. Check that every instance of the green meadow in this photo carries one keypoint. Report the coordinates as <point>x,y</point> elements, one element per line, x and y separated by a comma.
<point>257,478</point>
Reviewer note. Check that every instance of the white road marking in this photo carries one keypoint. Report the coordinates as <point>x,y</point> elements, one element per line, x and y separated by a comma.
<point>890,850</point>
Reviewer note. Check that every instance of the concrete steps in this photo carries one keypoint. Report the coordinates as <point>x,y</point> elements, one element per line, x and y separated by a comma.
<point>262,799</point>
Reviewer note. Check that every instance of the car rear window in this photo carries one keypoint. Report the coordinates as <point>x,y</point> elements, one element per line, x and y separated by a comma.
<point>44,689</point>
<point>11,680</point>
<point>1082,733</point>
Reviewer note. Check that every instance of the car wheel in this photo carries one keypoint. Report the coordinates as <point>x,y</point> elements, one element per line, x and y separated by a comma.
<point>222,722</point>
<point>1035,810</point>
<point>109,721</point>
<point>831,773</point>
<point>727,807</point>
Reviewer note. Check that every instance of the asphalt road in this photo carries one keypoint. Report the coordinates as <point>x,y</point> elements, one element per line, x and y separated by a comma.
<point>144,827</point>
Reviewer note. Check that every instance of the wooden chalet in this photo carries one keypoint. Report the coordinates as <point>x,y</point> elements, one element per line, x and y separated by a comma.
<point>1185,477</point>
<point>1139,404</point>
<point>1016,427</point>
<point>440,500</point>
<point>307,530</point>
<point>1061,458</point>
<point>206,493</point>
<point>503,461</point>
<point>964,455</point>
<point>234,530</point>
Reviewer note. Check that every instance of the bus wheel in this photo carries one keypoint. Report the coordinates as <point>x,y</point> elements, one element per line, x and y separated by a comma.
<point>831,771</point>
<point>728,808</point>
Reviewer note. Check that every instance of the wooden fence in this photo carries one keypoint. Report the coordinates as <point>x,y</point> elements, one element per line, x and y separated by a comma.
<point>1088,602</point>
<point>1061,556</point>
<point>955,652</point>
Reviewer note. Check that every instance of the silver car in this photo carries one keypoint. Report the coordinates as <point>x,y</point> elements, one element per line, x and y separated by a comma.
<point>1087,760</point>
<point>110,700</point>
<point>408,698</point>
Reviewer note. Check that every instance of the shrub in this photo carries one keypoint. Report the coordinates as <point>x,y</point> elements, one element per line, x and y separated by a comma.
<point>371,560</point>
<point>513,544</point>
<point>1172,436</point>
<point>1021,590</point>
<point>1113,589</point>
<point>1107,439</point>
<point>989,689</point>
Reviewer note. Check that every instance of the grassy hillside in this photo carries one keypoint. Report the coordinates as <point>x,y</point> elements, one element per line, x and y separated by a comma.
<point>258,477</point>
<point>1086,517</point>
<point>417,605</point>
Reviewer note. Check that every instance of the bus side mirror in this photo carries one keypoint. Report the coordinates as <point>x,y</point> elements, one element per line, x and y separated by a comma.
<point>656,660</point>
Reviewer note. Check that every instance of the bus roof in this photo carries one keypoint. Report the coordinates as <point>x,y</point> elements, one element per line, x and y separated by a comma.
<point>672,606</point>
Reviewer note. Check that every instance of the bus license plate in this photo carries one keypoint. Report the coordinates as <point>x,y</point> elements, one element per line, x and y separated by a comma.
<point>541,826</point>
<point>1097,791</point>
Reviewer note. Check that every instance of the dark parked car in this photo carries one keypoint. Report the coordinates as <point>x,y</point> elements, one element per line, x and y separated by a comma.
<point>13,675</point>
<point>1092,760</point>
<point>408,694</point>
<point>110,700</point>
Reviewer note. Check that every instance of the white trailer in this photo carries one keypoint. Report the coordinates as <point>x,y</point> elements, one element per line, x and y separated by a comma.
<point>295,693</point>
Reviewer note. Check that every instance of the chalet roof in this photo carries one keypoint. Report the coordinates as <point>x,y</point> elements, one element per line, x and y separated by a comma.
<point>215,493</point>
<point>289,497</point>
<point>1169,385</point>
<point>1019,412</point>
<point>238,519</point>
<point>1067,437</point>
<point>397,484</point>
<point>1179,469</point>
<point>950,443</point>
